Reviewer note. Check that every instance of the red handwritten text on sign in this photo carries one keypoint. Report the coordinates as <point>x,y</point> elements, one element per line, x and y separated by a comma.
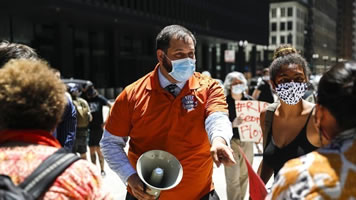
<point>249,114</point>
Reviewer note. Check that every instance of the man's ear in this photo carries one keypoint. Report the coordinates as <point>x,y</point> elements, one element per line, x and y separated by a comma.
<point>160,55</point>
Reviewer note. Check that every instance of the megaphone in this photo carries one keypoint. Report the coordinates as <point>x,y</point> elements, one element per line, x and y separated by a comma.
<point>159,170</point>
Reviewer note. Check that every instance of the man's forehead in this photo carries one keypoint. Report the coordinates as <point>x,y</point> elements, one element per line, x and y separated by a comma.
<point>180,43</point>
<point>182,39</point>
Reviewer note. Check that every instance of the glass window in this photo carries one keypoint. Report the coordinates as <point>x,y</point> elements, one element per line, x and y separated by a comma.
<point>289,26</point>
<point>282,26</point>
<point>290,12</point>
<point>273,26</point>
<point>273,13</point>
<point>282,40</point>
<point>283,12</point>
<point>273,39</point>
<point>290,39</point>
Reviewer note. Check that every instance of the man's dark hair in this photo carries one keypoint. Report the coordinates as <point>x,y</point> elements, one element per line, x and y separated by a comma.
<point>173,31</point>
<point>337,92</point>
<point>10,51</point>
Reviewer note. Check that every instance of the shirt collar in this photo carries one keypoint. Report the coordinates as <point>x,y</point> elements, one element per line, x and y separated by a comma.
<point>164,82</point>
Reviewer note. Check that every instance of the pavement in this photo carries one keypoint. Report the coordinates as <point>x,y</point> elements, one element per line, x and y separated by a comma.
<point>117,188</point>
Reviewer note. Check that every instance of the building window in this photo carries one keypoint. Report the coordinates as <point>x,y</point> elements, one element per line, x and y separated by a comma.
<point>273,26</point>
<point>289,38</point>
<point>289,26</point>
<point>273,39</point>
<point>283,12</point>
<point>273,13</point>
<point>282,26</point>
<point>282,40</point>
<point>290,12</point>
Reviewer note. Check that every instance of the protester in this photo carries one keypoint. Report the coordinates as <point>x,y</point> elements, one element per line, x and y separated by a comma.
<point>67,127</point>
<point>32,101</point>
<point>327,173</point>
<point>65,131</point>
<point>96,103</point>
<point>83,119</point>
<point>263,90</point>
<point>236,176</point>
<point>288,125</point>
<point>188,119</point>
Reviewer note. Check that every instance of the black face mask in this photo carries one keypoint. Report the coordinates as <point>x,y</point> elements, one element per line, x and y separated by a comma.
<point>167,64</point>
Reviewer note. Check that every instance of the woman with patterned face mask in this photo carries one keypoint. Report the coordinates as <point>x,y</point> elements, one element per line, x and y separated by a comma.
<point>236,176</point>
<point>288,125</point>
<point>329,172</point>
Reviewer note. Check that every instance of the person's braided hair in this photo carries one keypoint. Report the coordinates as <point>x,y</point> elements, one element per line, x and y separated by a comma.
<point>284,50</point>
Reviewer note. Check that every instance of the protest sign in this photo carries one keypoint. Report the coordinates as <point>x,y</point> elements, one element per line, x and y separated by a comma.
<point>248,113</point>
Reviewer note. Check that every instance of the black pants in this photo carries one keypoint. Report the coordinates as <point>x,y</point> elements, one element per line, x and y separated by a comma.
<point>210,196</point>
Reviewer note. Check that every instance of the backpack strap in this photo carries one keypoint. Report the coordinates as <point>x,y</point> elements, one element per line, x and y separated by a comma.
<point>44,175</point>
<point>269,119</point>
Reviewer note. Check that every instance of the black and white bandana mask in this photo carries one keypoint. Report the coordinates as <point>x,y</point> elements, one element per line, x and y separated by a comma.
<point>291,92</point>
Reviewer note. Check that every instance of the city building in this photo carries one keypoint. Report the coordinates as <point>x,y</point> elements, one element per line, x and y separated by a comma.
<point>324,37</point>
<point>308,25</point>
<point>354,31</point>
<point>112,42</point>
<point>287,23</point>
<point>346,27</point>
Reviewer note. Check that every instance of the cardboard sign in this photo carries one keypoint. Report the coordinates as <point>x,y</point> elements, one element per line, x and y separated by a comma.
<point>229,56</point>
<point>249,124</point>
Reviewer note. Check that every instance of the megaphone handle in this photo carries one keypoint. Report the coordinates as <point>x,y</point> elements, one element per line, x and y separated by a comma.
<point>145,190</point>
<point>144,187</point>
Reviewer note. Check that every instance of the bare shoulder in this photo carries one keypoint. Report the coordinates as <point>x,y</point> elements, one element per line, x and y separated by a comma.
<point>262,119</point>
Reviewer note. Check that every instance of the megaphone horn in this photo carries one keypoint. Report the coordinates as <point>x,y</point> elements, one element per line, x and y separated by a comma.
<point>159,170</point>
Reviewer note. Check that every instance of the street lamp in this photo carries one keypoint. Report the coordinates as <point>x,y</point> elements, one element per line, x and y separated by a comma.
<point>325,59</point>
<point>315,57</point>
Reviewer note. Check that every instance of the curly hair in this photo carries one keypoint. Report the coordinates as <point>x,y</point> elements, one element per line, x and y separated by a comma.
<point>31,96</point>
<point>283,50</point>
<point>286,55</point>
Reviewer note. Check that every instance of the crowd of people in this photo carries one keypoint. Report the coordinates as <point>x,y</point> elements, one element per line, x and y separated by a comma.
<point>308,141</point>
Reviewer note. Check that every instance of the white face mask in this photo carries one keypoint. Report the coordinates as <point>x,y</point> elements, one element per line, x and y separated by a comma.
<point>182,69</point>
<point>265,78</point>
<point>238,89</point>
<point>291,92</point>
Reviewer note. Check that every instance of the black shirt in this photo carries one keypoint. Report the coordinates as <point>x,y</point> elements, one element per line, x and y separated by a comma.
<point>96,108</point>
<point>266,92</point>
<point>275,157</point>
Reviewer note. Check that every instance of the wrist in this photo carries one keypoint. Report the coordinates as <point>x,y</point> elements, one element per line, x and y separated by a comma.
<point>219,140</point>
